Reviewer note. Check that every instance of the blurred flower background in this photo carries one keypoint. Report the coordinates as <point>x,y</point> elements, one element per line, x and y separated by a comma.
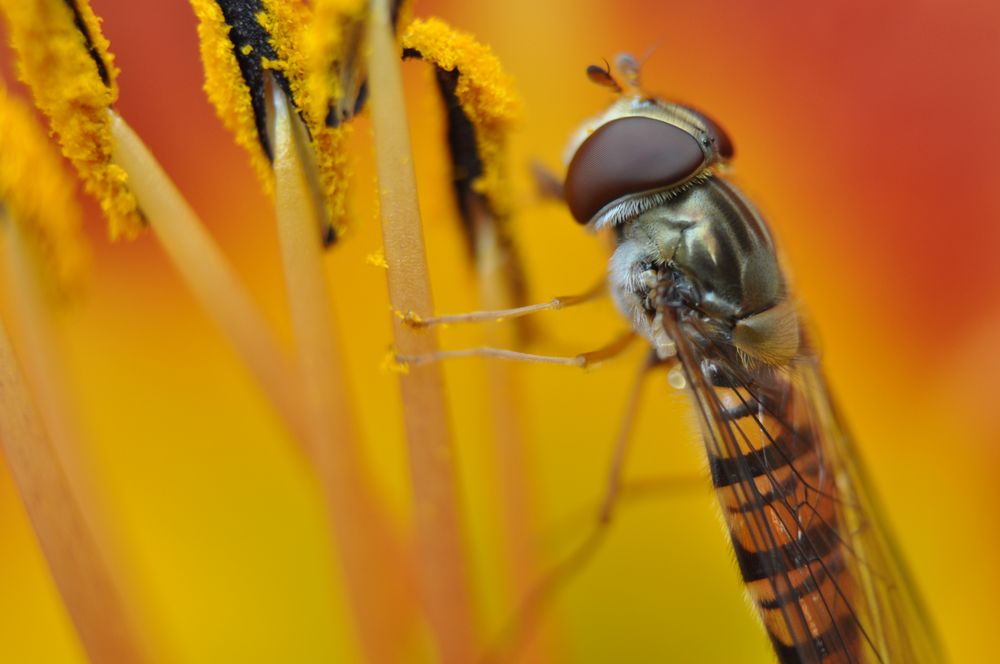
<point>867,134</point>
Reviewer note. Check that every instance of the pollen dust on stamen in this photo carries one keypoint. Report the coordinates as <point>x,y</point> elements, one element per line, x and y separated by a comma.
<point>391,364</point>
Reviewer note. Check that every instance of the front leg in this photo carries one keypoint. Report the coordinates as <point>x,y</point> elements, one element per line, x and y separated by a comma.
<point>500,315</point>
<point>633,278</point>
<point>583,360</point>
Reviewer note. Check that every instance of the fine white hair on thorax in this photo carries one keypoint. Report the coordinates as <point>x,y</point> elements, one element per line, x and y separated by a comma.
<point>632,278</point>
<point>629,207</point>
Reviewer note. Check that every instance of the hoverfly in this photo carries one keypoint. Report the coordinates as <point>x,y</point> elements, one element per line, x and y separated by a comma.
<point>696,271</point>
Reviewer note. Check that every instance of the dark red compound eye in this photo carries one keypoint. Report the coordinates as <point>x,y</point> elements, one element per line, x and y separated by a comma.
<point>722,141</point>
<point>628,156</point>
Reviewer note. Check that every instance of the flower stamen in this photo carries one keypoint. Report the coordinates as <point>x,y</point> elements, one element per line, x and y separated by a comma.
<point>59,44</point>
<point>241,42</point>
<point>39,430</point>
<point>64,58</point>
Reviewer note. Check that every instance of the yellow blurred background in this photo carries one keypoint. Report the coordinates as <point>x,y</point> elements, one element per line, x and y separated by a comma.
<point>866,133</point>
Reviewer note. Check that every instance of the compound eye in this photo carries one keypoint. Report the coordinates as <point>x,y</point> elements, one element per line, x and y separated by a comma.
<point>723,143</point>
<point>628,156</point>
<point>722,140</point>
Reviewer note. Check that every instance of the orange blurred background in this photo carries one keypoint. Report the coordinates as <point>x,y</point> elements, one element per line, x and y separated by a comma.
<point>866,133</point>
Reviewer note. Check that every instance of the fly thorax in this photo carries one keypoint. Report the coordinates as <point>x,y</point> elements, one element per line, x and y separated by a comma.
<point>645,245</point>
<point>736,296</point>
<point>714,262</point>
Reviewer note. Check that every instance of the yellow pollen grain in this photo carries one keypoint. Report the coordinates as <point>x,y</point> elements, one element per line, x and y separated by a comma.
<point>54,60</point>
<point>226,88</point>
<point>326,45</point>
<point>391,364</point>
<point>333,48</point>
<point>377,259</point>
<point>286,23</point>
<point>485,93</point>
<point>334,171</point>
<point>36,194</point>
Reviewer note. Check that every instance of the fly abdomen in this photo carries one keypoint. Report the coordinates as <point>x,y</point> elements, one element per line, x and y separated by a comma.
<point>781,508</point>
<point>761,462</point>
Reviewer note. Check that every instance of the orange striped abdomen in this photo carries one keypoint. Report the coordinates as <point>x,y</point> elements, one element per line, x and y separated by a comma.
<point>781,507</point>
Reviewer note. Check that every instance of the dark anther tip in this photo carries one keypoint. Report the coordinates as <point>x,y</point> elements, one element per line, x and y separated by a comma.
<point>329,236</point>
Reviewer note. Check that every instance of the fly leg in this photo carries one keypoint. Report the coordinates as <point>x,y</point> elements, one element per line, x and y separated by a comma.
<point>583,360</point>
<point>619,453</point>
<point>500,315</point>
<point>519,629</point>
<point>548,185</point>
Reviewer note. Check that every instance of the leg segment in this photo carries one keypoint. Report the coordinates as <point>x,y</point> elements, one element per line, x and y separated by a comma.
<point>519,629</point>
<point>583,360</point>
<point>620,451</point>
<point>500,315</point>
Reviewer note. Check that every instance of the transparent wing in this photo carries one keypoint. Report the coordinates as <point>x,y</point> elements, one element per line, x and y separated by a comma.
<point>890,602</point>
<point>812,549</point>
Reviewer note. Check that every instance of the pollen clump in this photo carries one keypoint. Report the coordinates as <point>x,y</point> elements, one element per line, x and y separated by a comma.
<point>287,24</point>
<point>391,364</point>
<point>240,43</point>
<point>36,194</point>
<point>484,91</point>
<point>225,86</point>
<point>334,171</point>
<point>332,46</point>
<point>377,259</point>
<point>336,59</point>
<point>64,58</point>
<point>334,64</point>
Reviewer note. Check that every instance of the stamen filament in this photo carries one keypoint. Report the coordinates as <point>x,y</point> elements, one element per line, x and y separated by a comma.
<point>378,577</point>
<point>481,107</point>
<point>38,443</point>
<point>443,572</point>
<point>510,445</point>
<point>209,275</point>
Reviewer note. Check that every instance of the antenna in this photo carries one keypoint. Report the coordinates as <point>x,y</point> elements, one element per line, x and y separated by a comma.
<point>628,67</point>
<point>603,77</point>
